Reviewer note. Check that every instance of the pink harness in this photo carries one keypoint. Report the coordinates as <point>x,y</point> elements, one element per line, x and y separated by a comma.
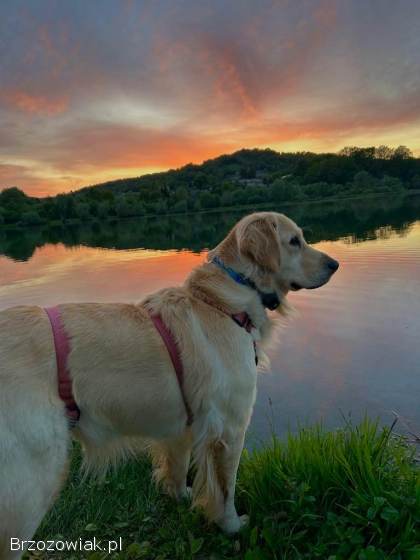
<point>62,350</point>
<point>175,356</point>
<point>241,319</point>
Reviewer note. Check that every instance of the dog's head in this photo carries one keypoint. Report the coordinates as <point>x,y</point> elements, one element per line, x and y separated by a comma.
<point>271,250</point>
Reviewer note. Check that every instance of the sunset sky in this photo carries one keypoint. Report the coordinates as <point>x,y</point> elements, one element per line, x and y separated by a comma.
<point>95,90</point>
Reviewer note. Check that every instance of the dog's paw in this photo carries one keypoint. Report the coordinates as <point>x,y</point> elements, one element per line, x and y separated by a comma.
<point>188,493</point>
<point>185,494</point>
<point>244,519</point>
<point>175,492</point>
<point>233,524</point>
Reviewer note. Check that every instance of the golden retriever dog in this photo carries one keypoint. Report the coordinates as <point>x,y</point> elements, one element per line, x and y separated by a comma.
<point>125,385</point>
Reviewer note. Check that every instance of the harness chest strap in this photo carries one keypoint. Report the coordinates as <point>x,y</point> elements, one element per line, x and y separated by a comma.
<point>62,350</point>
<point>175,356</point>
<point>241,319</point>
<point>244,321</point>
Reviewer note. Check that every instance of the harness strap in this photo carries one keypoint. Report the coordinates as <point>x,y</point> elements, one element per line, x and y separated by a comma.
<point>173,351</point>
<point>62,350</point>
<point>244,320</point>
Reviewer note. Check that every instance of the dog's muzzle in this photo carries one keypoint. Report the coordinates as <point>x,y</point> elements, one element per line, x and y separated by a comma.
<point>271,301</point>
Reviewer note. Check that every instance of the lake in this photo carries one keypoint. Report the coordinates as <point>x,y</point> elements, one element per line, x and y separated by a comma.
<point>353,345</point>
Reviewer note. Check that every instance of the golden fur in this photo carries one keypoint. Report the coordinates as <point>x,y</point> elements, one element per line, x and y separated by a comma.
<point>125,385</point>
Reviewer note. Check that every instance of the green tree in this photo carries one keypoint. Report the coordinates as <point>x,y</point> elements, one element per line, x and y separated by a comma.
<point>227,199</point>
<point>66,206</point>
<point>209,200</point>
<point>14,203</point>
<point>13,195</point>
<point>122,208</point>
<point>358,153</point>
<point>392,184</point>
<point>181,194</point>
<point>279,190</point>
<point>103,209</point>
<point>384,152</point>
<point>31,218</point>
<point>248,172</point>
<point>180,206</point>
<point>49,209</point>
<point>414,182</point>
<point>402,152</point>
<point>364,181</point>
<point>83,210</point>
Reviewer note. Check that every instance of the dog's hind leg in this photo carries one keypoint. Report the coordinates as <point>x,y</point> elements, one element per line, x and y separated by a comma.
<point>32,473</point>
<point>171,460</point>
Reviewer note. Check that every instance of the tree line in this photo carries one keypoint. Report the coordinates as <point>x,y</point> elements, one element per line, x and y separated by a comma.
<point>246,177</point>
<point>353,220</point>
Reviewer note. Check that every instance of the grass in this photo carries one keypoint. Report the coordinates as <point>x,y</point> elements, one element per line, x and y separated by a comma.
<point>353,493</point>
<point>348,494</point>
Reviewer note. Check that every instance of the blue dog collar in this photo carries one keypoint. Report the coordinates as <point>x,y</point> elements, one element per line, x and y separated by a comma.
<point>237,276</point>
<point>268,300</point>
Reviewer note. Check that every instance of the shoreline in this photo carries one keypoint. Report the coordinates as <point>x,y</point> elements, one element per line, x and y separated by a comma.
<point>255,207</point>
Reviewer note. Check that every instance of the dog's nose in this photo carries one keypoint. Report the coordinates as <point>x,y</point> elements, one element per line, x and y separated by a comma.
<point>332,264</point>
<point>270,300</point>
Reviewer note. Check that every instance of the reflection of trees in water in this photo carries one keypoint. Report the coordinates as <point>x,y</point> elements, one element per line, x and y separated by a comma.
<point>354,221</point>
<point>383,232</point>
<point>357,220</point>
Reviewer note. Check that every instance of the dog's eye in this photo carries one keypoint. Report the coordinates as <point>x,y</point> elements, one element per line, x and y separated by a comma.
<point>295,241</point>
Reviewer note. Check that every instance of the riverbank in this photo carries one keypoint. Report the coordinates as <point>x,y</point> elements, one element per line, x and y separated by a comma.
<point>348,494</point>
<point>238,208</point>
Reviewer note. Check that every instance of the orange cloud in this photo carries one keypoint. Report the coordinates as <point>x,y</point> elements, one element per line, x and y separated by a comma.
<point>35,104</point>
<point>28,177</point>
<point>97,146</point>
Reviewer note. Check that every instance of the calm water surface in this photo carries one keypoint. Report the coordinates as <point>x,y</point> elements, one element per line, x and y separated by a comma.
<point>354,344</point>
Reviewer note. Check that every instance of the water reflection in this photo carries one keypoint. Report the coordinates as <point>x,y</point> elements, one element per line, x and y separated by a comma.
<point>354,219</point>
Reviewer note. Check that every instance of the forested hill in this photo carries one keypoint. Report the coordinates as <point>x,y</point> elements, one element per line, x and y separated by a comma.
<point>245,177</point>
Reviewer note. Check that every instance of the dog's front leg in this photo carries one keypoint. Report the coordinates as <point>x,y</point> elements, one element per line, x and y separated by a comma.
<point>171,460</point>
<point>227,457</point>
<point>214,484</point>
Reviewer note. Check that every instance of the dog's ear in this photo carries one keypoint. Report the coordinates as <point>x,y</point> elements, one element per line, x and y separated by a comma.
<point>259,243</point>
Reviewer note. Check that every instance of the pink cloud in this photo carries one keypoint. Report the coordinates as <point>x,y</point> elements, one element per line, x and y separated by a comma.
<point>33,103</point>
